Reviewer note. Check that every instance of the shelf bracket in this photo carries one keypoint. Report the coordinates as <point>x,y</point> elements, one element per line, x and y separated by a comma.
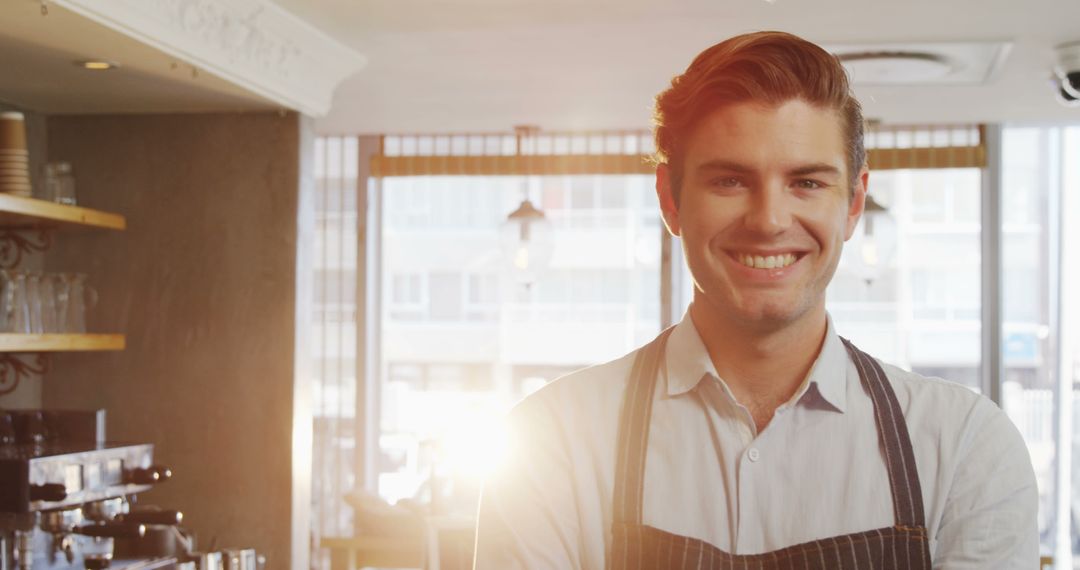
<point>14,244</point>
<point>13,368</point>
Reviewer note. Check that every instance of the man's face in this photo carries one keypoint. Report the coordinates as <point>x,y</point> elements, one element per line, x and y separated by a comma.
<point>764,210</point>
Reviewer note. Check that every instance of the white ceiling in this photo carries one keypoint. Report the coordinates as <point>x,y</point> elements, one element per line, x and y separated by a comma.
<point>486,65</point>
<point>37,70</point>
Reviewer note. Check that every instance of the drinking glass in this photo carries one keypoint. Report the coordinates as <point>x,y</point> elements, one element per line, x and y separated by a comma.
<point>47,294</point>
<point>76,297</point>
<point>7,307</point>
<point>60,183</point>
<point>18,302</point>
<point>33,300</point>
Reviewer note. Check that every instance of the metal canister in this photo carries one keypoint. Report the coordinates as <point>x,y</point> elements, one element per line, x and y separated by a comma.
<point>240,559</point>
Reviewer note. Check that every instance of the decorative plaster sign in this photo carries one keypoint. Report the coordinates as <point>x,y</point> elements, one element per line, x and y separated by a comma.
<point>252,43</point>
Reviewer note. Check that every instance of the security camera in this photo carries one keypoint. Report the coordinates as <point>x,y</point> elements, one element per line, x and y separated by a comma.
<point>1064,96</point>
<point>1071,83</point>
<point>1067,70</point>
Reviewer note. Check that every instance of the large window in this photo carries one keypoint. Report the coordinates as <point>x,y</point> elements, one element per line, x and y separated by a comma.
<point>456,340</point>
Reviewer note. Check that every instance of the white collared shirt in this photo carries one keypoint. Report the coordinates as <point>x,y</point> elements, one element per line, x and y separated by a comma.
<point>815,471</point>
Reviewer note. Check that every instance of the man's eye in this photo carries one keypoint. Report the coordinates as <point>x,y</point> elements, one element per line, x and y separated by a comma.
<point>727,182</point>
<point>809,184</point>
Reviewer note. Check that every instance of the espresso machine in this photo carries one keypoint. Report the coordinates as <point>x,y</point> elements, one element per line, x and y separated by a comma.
<point>68,499</point>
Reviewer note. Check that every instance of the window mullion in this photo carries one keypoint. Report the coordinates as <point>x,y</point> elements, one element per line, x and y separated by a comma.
<point>992,301</point>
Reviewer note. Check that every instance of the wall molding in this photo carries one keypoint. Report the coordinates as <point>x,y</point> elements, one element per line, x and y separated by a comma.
<point>254,44</point>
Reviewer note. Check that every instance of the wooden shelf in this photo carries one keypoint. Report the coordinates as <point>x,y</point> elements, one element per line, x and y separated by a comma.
<point>60,342</point>
<point>19,212</point>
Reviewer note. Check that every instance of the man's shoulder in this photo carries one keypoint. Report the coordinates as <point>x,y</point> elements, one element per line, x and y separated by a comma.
<point>603,380</point>
<point>929,401</point>
<point>931,386</point>
<point>596,388</point>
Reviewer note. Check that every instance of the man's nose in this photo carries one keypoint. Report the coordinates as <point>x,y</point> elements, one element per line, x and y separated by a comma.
<point>769,212</point>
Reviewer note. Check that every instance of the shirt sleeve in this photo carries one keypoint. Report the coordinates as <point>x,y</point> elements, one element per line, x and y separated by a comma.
<point>528,516</point>
<point>990,520</point>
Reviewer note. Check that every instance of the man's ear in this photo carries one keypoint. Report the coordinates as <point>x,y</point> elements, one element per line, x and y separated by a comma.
<point>668,211</point>
<point>857,202</point>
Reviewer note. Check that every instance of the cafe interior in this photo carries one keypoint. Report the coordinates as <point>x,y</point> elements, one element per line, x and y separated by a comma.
<point>273,272</point>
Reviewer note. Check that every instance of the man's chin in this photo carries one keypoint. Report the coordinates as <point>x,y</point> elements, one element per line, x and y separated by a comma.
<point>769,315</point>
<point>760,311</point>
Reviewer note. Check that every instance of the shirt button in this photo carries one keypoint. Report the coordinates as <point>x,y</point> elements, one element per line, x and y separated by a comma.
<point>753,454</point>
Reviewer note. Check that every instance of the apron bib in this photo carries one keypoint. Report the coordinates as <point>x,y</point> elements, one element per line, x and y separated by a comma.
<point>638,546</point>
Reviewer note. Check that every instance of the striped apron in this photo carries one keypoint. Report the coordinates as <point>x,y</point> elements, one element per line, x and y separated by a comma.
<point>635,545</point>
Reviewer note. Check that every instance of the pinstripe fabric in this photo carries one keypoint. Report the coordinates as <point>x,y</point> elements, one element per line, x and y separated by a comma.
<point>638,546</point>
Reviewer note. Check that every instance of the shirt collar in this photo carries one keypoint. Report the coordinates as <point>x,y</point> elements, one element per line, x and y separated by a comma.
<point>686,360</point>
<point>687,363</point>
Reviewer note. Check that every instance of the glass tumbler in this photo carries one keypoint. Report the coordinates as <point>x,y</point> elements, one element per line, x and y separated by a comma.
<point>47,294</point>
<point>76,297</point>
<point>7,307</point>
<point>17,299</point>
<point>33,298</point>
<point>60,183</point>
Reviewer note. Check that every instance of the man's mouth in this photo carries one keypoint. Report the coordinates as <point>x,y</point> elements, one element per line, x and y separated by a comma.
<point>775,261</point>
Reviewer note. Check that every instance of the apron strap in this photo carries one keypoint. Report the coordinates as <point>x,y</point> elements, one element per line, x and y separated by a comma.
<point>894,439</point>
<point>633,436</point>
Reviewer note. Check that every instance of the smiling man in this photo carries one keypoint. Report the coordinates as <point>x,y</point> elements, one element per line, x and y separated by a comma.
<point>751,435</point>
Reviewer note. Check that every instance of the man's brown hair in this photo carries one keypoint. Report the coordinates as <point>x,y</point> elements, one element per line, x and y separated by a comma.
<point>767,67</point>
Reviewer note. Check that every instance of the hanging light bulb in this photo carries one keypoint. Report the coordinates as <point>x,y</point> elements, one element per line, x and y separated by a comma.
<point>527,242</point>
<point>873,244</point>
<point>526,234</point>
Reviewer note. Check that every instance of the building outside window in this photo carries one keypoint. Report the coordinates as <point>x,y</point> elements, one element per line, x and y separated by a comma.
<point>481,341</point>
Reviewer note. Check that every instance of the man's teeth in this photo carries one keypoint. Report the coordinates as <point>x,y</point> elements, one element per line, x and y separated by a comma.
<point>767,261</point>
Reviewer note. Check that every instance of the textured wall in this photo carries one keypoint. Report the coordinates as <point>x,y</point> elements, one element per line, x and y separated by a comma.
<point>203,283</point>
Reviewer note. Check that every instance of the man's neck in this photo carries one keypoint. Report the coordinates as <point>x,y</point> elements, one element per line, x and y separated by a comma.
<point>763,365</point>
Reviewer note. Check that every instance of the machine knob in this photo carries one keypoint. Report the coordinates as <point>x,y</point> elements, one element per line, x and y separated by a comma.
<point>153,517</point>
<point>30,427</point>
<point>96,562</point>
<point>112,530</point>
<point>149,475</point>
<point>48,492</point>
<point>7,429</point>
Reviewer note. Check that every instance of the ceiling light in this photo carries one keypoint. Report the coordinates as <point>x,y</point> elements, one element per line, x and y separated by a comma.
<point>526,235</point>
<point>869,251</point>
<point>96,64</point>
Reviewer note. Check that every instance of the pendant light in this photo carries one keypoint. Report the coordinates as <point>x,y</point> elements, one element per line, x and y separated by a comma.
<point>873,244</point>
<point>527,241</point>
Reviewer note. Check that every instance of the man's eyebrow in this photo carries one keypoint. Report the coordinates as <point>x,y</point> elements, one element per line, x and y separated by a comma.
<point>725,165</point>
<point>730,166</point>
<point>816,168</point>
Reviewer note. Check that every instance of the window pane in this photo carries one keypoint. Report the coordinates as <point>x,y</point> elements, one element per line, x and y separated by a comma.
<point>1034,178</point>
<point>1070,323</point>
<point>332,342</point>
<point>477,341</point>
<point>918,307</point>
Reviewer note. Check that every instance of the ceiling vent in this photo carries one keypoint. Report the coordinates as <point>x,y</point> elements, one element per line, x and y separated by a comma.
<point>954,63</point>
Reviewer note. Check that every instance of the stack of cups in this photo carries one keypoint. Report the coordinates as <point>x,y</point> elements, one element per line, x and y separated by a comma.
<point>14,158</point>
